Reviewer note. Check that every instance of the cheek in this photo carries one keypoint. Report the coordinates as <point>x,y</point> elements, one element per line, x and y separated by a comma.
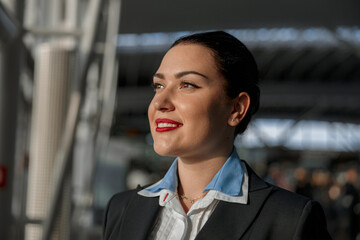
<point>200,113</point>
<point>218,113</point>
<point>151,112</point>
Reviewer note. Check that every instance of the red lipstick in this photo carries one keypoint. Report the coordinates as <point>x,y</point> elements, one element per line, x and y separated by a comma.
<point>164,124</point>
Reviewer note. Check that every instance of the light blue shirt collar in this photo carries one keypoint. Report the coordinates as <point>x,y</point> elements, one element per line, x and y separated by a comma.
<point>228,180</point>
<point>170,180</point>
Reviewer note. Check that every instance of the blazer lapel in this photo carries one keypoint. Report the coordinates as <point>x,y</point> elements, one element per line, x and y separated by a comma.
<point>139,217</point>
<point>231,220</point>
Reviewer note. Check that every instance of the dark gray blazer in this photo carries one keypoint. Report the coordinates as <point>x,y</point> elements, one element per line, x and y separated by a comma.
<point>272,213</point>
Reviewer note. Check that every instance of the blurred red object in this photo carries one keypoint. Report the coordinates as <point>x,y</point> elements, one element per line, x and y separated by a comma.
<point>3,171</point>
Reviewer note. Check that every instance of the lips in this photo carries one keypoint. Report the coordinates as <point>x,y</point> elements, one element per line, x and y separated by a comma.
<point>164,124</point>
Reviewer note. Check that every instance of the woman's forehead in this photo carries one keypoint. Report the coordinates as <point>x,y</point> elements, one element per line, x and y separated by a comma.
<point>188,57</point>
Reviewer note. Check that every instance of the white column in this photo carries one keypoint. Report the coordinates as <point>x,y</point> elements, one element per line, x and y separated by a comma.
<point>52,87</point>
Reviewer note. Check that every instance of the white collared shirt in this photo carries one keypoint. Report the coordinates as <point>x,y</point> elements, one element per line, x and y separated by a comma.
<point>173,223</point>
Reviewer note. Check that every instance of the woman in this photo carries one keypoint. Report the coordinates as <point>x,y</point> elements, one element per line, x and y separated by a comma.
<point>205,93</point>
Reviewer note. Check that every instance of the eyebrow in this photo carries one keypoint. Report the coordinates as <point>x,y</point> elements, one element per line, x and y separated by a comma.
<point>181,74</point>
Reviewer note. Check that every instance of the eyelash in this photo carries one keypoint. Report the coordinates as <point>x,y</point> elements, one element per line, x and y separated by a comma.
<point>190,84</point>
<point>156,86</point>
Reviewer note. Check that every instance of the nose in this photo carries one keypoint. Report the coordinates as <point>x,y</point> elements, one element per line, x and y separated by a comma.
<point>163,101</point>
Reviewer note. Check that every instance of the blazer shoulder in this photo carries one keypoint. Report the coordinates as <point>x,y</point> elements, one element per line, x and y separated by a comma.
<point>312,223</point>
<point>278,198</point>
<point>303,215</point>
<point>284,214</point>
<point>115,210</point>
<point>288,205</point>
<point>287,198</point>
<point>121,198</point>
<point>129,215</point>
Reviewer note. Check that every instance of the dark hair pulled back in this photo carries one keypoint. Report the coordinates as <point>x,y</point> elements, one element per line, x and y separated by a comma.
<point>235,62</point>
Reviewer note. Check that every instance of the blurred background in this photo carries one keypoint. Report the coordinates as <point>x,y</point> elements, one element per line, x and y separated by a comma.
<point>75,81</point>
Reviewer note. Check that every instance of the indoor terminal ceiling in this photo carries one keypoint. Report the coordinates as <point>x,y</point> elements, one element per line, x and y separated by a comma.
<point>308,53</point>
<point>141,16</point>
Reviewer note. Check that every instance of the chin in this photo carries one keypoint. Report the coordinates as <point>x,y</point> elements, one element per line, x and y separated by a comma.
<point>164,150</point>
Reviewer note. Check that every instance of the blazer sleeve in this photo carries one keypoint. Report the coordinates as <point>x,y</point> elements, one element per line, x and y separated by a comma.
<point>312,223</point>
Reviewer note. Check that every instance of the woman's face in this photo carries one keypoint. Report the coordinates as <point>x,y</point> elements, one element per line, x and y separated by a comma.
<point>190,111</point>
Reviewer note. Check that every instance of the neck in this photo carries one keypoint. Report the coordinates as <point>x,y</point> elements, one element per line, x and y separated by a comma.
<point>195,175</point>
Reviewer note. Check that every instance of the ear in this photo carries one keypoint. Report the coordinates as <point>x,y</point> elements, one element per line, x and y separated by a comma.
<point>240,108</point>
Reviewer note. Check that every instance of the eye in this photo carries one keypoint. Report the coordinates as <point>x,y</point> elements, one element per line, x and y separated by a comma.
<point>157,86</point>
<point>188,85</point>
